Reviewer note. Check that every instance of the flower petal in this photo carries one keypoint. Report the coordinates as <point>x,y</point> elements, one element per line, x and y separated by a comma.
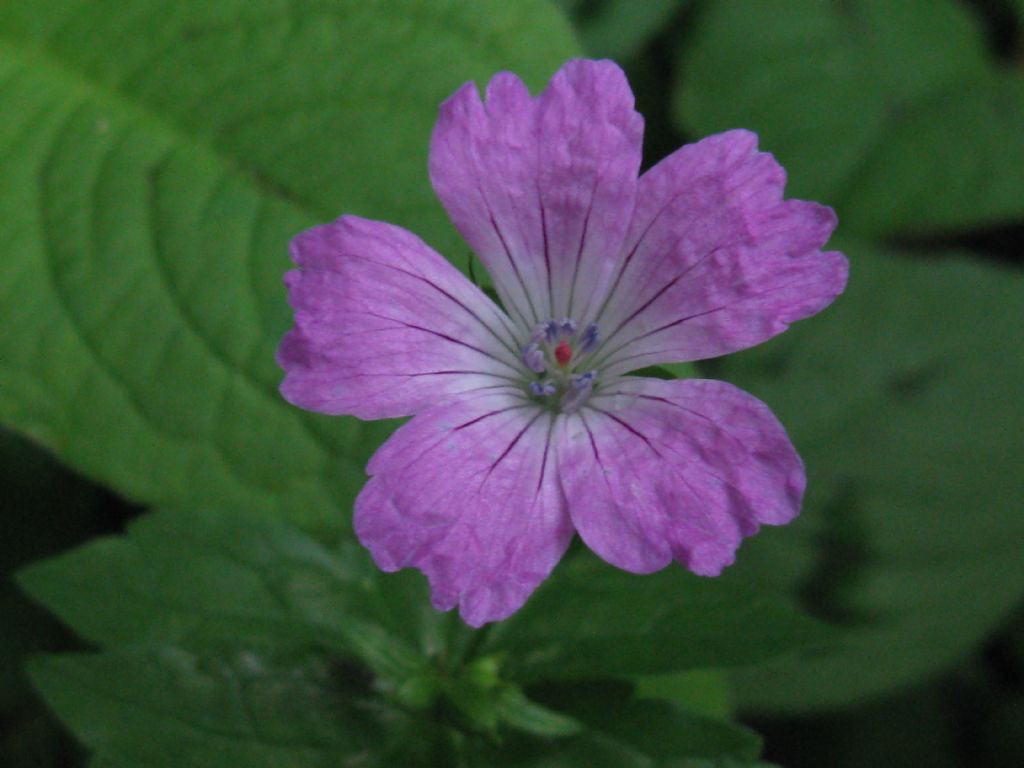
<point>660,470</point>
<point>384,326</point>
<point>716,260</point>
<point>542,189</point>
<point>466,493</point>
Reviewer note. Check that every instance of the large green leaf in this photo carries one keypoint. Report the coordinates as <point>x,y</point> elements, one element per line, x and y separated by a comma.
<point>891,110</point>
<point>157,158</point>
<point>170,707</point>
<point>902,400</point>
<point>198,581</point>
<point>592,620</point>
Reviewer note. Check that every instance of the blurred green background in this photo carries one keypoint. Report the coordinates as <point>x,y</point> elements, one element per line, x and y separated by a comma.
<point>156,157</point>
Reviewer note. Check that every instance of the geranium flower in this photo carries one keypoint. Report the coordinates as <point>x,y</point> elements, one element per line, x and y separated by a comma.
<point>526,427</point>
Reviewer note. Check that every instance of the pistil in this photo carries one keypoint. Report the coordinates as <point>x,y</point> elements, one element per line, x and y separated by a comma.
<point>563,353</point>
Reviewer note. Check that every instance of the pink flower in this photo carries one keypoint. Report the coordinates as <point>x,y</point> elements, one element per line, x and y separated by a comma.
<point>525,427</point>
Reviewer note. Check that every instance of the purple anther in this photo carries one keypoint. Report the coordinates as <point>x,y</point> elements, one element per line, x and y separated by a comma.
<point>542,388</point>
<point>589,338</point>
<point>584,379</point>
<point>533,356</point>
<point>578,391</point>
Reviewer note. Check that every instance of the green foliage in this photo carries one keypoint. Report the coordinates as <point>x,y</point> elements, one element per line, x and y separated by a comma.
<point>898,397</point>
<point>151,707</point>
<point>899,400</point>
<point>706,691</point>
<point>848,97</point>
<point>618,29</point>
<point>627,732</point>
<point>157,159</point>
<point>590,618</point>
<point>158,156</point>
<point>212,625</point>
<point>34,487</point>
<point>199,580</point>
<point>238,639</point>
<point>44,509</point>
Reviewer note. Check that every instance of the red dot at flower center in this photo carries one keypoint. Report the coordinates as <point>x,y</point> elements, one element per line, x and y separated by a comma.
<point>563,353</point>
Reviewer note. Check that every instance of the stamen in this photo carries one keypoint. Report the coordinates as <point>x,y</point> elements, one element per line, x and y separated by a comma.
<point>533,357</point>
<point>542,388</point>
<point>584,379</point>
<point>578,391</point>
<point>589,338</point>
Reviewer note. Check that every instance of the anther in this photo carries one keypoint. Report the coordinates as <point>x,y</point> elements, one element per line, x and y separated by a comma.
<point>589,338</point>
<point>533,357</point>
<point>578,391</point>
<point>542,388</point>
<point>584,380</point>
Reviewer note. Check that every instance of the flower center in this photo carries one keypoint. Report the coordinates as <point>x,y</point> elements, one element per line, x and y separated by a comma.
<point>558,352</point>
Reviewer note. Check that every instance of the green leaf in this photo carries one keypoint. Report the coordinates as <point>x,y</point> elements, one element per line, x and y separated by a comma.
<point>901,186</point>
<point>592,620</point>
<point>703,691</point>
<point>157,159</point>
<point>162,707</point>
<point>44,508</point>
<point>901,400</point>
<point>624,731</point>
<point>658,728</point>
<point>199,580</point>
<point>519,712</point>
<point>618,29</point>
<point>891,110</point>
<point>667,371</point>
